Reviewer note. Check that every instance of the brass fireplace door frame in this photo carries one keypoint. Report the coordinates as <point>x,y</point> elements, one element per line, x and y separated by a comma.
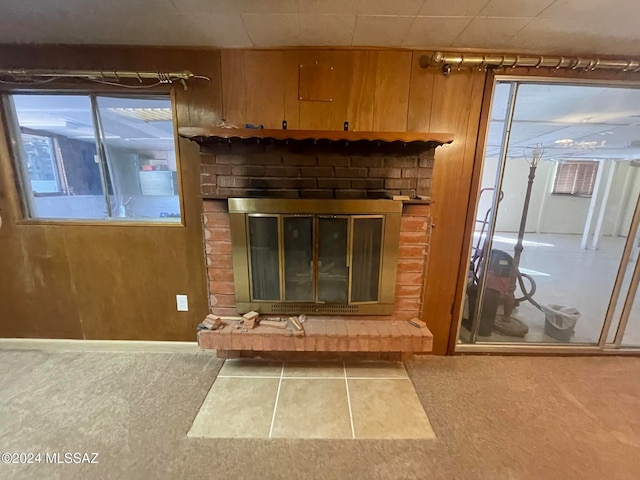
<point>241,208</point>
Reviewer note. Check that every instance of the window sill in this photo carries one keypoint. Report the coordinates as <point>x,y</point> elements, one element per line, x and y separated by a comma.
<point>575,195</point>
<point>98,223</point>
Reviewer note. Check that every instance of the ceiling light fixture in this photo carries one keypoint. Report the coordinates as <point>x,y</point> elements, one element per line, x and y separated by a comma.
<point>145,114</point>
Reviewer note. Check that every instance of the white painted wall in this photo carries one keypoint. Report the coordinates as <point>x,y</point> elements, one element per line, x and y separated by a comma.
<point>557,213</point>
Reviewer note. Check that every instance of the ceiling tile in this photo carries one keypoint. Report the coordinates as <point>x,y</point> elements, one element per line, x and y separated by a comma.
<point>48,31</point>
<point>222,30</point>
<point>381,30</point>
<point>591,10</point>
<point>299,30</point>
<point>49,20</point>
<point>489,32</point>
<point>236,6</point>
<point>435,32</point>
<point>452,8</point>
<point>215,30</point>
<point>387,7</point>
<point>329,6</point>
<point>509,8</point>
<point>320,30</point>
<point>119,8</point>
<point>571,37</point>
<point>271,29</point>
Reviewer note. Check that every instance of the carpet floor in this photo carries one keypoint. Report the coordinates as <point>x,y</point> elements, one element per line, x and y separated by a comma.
<point>494,418</point>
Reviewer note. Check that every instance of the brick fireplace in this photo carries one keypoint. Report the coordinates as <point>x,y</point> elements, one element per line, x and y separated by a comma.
<point>413,252</point>
<point>302,170</point>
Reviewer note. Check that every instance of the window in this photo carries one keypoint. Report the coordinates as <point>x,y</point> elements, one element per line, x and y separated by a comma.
<point>41,163</point>
<point>96,157</point>
<point>575,178</point>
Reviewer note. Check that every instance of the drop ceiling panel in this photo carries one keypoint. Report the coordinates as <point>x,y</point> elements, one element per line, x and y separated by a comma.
<point>563,27</point>
<point>330,6</point>
<point>233,6</point>
<point>110,9</point>
<point>387,7</point>
<point>331,30</point>
<point>304,29</point>
<point>48,31</point>
<point>509,8</point>
<point>489,32</point>
<point>523,134</point>
<point>371,30</point>
<point>272,29</point>
<point>591,10</point>
<point>549,35</point>
<point>187,30</point>
<point>459,8</point>
<point>436,31</point>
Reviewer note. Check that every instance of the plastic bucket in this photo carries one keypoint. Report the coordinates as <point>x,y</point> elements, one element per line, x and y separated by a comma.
<point>560,321</point>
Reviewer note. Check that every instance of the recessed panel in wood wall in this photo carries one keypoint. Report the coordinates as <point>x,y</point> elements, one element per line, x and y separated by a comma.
<point>315,82</point>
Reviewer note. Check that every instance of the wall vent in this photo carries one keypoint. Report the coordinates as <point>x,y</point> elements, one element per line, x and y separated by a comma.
<point>311,308</point>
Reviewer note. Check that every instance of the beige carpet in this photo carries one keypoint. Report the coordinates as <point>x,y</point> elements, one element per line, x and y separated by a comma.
<point>494,418</point>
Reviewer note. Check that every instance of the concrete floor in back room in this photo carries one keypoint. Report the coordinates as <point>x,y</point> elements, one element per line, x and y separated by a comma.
<point>493,418</point>
<point>566,274</point>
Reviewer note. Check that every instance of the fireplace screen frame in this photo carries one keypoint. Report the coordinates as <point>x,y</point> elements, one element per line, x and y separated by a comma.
<point>241,209</point>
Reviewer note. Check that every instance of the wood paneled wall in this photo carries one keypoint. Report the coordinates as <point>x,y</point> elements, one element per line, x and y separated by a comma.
<point>108,281</point>
<point>383,90</point>
<point>370,89</point>
<point>117,282</point>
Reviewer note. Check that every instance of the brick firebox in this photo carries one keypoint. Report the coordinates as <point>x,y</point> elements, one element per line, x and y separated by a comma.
<point>264,171</point>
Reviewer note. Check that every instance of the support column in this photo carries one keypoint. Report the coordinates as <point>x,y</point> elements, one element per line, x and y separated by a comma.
<point>611,165</point>
<point>592,206</point>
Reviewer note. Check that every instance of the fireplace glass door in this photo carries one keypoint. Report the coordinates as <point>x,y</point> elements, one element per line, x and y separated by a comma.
<point>264,255</point>
<point>311,256</point>
<point>324,259</point>
<point>333,259</point>
<point>298,258</point>
<point>366,258</point>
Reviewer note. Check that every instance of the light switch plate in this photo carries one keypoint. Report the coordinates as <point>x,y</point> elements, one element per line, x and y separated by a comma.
<point>182,302</point>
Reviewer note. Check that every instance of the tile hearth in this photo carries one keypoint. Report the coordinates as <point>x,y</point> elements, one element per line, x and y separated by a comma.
<point>365,400</point>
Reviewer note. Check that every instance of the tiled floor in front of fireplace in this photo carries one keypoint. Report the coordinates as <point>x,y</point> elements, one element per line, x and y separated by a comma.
<point>256,399</point>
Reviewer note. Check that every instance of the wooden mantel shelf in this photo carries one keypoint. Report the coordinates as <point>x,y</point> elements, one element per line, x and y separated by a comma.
<point>244,135</point>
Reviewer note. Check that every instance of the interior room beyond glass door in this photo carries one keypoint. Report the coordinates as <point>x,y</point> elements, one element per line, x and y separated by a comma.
<point>559,189</point>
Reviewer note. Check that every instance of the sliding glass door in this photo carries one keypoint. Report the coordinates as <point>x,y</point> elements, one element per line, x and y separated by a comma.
<point>554,244</point>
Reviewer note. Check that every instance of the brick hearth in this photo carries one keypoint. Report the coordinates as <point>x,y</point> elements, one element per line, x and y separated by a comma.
<point>323,334</point>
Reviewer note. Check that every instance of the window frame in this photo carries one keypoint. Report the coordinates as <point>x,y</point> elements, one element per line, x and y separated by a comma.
<point>594,165</point>
<point>16,155</point>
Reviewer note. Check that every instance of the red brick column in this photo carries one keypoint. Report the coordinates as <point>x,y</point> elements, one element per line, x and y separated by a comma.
<point>413,253</point>
<point>217,241</point>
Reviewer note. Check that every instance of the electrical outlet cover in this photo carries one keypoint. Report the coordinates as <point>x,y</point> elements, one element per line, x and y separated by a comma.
<point>182,302</point>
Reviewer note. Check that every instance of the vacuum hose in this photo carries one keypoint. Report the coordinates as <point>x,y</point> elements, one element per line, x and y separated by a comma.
<point>527,294</point>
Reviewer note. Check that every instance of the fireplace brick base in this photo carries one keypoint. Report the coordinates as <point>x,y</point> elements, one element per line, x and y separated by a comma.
<point>323,334</point>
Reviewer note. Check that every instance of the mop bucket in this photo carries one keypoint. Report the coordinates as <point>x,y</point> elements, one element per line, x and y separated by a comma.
<point>560,321</point>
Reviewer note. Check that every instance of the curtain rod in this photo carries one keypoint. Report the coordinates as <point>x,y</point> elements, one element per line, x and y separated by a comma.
<point>447,61</point>
<point>109,77</point>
